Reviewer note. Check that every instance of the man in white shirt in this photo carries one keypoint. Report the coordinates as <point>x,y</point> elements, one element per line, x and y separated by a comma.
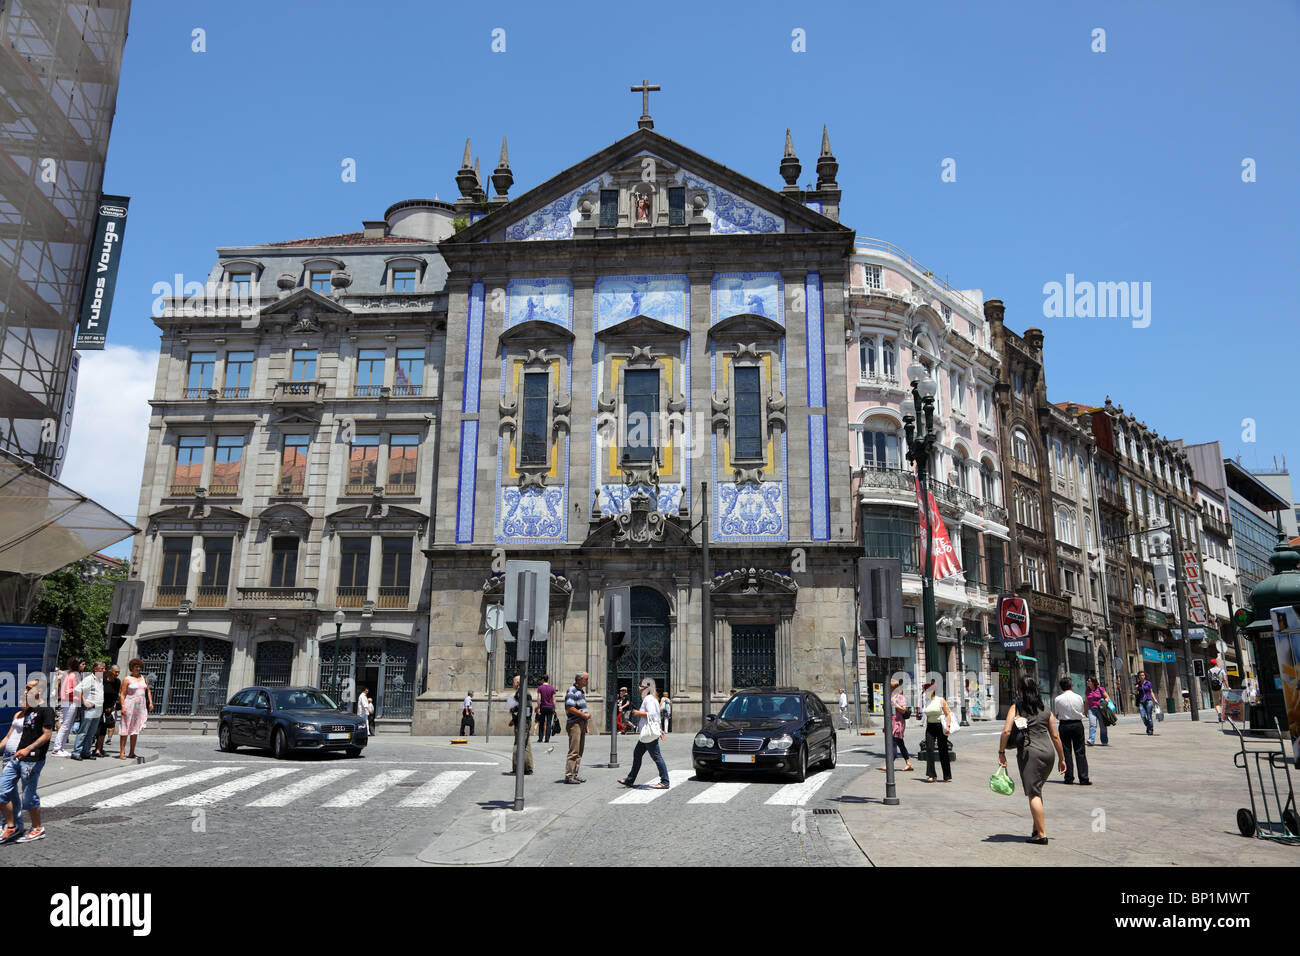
<point>1218,684</point>
<point>91,693</point>
<point>467,715</point>
<point>1069,710</point>
<point>844,708</point>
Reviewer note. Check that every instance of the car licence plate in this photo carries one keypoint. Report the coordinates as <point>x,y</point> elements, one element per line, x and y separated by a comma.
<point>737,758</point>
<point>337,736</point>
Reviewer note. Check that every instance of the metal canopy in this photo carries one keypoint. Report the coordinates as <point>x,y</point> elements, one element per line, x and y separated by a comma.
<point>45,525</point>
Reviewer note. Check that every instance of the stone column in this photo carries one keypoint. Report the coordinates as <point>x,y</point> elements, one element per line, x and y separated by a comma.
<point>679,653</point>
<point>193,576</point>
<point>721,656</point>
<point>376,567</point>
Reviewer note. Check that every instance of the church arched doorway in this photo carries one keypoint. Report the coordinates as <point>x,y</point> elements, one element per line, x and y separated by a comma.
<point>650,642</point>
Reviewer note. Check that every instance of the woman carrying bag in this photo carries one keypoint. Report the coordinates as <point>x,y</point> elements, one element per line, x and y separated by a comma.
<point>1035,727</point>
<point>938,722</point>
<point>649,733</point>
<point>1098,701</point>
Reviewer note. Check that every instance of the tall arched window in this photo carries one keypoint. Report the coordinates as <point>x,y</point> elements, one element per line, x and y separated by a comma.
<point>889,360</point>
<point>988,485</point>
<point>1021,448</point>
<point>867,354</point>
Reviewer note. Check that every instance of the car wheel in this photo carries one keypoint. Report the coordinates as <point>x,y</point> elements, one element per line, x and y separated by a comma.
<point>703,776</point>
<point>224,739</point>
<point>831,755</point>
<point>801,774</point>
<point>279,744</point>
<point>354,751</point>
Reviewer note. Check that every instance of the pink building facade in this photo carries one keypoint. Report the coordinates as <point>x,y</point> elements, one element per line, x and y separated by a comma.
<point>899,314</point>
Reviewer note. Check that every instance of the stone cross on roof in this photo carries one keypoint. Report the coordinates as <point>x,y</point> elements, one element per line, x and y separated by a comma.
<point>645,89</point>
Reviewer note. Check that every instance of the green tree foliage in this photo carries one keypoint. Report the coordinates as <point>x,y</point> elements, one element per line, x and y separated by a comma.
<point>78,601</point>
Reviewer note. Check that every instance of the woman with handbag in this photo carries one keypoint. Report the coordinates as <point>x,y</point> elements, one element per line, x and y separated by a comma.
<point>1031,728</point>
<point>1097,699</point>
<point>899,722</point>
<point>649,733</point>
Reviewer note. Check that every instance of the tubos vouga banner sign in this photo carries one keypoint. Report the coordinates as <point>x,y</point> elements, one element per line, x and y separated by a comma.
<point>101,272</point>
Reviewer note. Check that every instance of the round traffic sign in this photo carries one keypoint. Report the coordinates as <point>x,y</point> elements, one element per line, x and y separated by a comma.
<point>1221,647</point>
<point>488,640</point>
<point>496,616</point>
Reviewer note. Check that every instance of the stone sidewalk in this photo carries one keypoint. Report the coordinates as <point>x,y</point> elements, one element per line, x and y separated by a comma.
<point>1166,800</point>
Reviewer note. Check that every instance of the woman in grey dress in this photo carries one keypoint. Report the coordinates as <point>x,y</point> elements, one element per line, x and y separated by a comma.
<point>1034,757</point>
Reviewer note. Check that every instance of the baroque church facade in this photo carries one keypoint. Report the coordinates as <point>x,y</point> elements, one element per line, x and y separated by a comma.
<point>643,350</point>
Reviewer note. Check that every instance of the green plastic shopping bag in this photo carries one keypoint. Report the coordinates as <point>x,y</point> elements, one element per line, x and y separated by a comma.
<point>1001,782</point>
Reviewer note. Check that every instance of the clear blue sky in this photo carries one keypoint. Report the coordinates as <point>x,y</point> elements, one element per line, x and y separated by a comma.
<point>1115,166</point>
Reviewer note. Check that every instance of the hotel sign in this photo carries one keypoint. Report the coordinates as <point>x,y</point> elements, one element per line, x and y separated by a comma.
<point>1196,612</point>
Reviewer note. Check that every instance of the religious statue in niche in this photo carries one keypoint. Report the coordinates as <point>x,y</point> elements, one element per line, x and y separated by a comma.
<point>643,207</point>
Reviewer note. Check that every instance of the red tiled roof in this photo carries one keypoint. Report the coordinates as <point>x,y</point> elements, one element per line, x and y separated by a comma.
<point>1065,406</point>
<point>346,239</point>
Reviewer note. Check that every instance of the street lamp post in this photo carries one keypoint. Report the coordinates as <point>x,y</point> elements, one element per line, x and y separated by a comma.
<point>920,444</point>
<point>339,617</point>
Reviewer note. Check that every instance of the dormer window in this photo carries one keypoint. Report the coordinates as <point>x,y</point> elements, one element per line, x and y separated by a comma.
<point>241,286</point>
<point>403,280</point>
<point>403,273</point>
<point>320,281</point>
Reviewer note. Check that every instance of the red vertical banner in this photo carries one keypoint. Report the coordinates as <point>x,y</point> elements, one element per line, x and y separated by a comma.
<point>945,558</point>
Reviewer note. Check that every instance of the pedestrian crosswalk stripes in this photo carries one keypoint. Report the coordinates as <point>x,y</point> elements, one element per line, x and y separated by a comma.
<point>300,788</point>
<point>719,793</point>
<point>436,790</point>
<point>72,795</point>
<point>223,790</point>
<point>133,797</point>
<point>369,790</point>
<point>797,794</point>
<point>303,785</point>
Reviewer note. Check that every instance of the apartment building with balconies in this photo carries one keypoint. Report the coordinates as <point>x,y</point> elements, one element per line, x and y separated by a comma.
<point>900,314</point>
<point>289,469</point>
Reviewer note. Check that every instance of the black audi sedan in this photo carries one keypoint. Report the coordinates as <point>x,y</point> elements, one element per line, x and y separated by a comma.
<point>289,719</point>
<point>781,729</point>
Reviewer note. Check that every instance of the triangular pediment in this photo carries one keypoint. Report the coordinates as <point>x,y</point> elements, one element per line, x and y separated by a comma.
<point>536,330</point>
<point>745,327</point>
<point>296,418</point>
<point>306,307</point>
<point>736,204</point>
<point>640,328</point>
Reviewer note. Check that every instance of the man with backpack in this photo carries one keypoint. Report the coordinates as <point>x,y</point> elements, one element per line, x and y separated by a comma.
<point>1218,681</point>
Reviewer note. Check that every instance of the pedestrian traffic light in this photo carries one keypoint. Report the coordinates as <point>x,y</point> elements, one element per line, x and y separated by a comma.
<point>880,601</point>
<point>617,631</point>
<point>1198,667</point>
<point>1243,617</point>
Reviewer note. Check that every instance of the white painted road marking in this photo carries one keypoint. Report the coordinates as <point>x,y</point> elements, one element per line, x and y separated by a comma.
<point>230,787</point>
<point>436,790</point>
<point>797,794</point>
<point>369,790</point>
<point>719,793</point>
<point>302,787</point>
<point>96,786</point>
<point>133,797</point>
<point>647,793</point>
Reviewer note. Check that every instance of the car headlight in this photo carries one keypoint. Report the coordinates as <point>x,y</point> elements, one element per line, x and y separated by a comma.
<point>784,742</point>
<point>308,728</point>
<point>703,742</point>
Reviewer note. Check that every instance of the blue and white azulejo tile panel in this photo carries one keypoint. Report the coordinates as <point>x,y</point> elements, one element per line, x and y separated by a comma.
<point>614,498</point>
<point>549,300</point>
<point>556,219</point>
<point>815,323</point>
<point>752,512</point>
<point>465,483</point>
<point>729,214</point>
<point>533,515</point>
<point>748,293</point>
<point>665,298</point>
<point>473,350</point>
<point>819,490</point>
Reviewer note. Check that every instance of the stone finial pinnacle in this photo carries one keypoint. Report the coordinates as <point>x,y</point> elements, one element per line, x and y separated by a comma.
<point>502,177</point>
<point>504,161</point>
<point>476,173</point>
<point>826,142</point>
<point>790,167</point>
<point>465,160</point>
<point>827,167</point>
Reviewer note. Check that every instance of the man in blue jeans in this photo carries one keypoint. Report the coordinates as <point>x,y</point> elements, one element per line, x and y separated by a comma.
<point>25,768</point>
<point>1146,701</point>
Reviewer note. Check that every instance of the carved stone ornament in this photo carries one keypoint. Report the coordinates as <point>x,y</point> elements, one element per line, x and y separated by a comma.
<point>647,476</point>
<point>495,584</point>
<point>560,412</point>
<point>753,581</point>
<point>532,479</point>
<point>749,351</point>
<point>538,358</point>
<point>508,409</point>
<point>721,411</point>
<point>606,402</point>
<point>305,320</point>
<point>776,411</point>
<point>640,524</point>
<point>748,475</point>
<point>642,357</point>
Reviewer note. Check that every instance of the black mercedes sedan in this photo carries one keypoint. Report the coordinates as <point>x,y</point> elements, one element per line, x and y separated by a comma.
<point>781,729</point>
<point>289,719</point>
